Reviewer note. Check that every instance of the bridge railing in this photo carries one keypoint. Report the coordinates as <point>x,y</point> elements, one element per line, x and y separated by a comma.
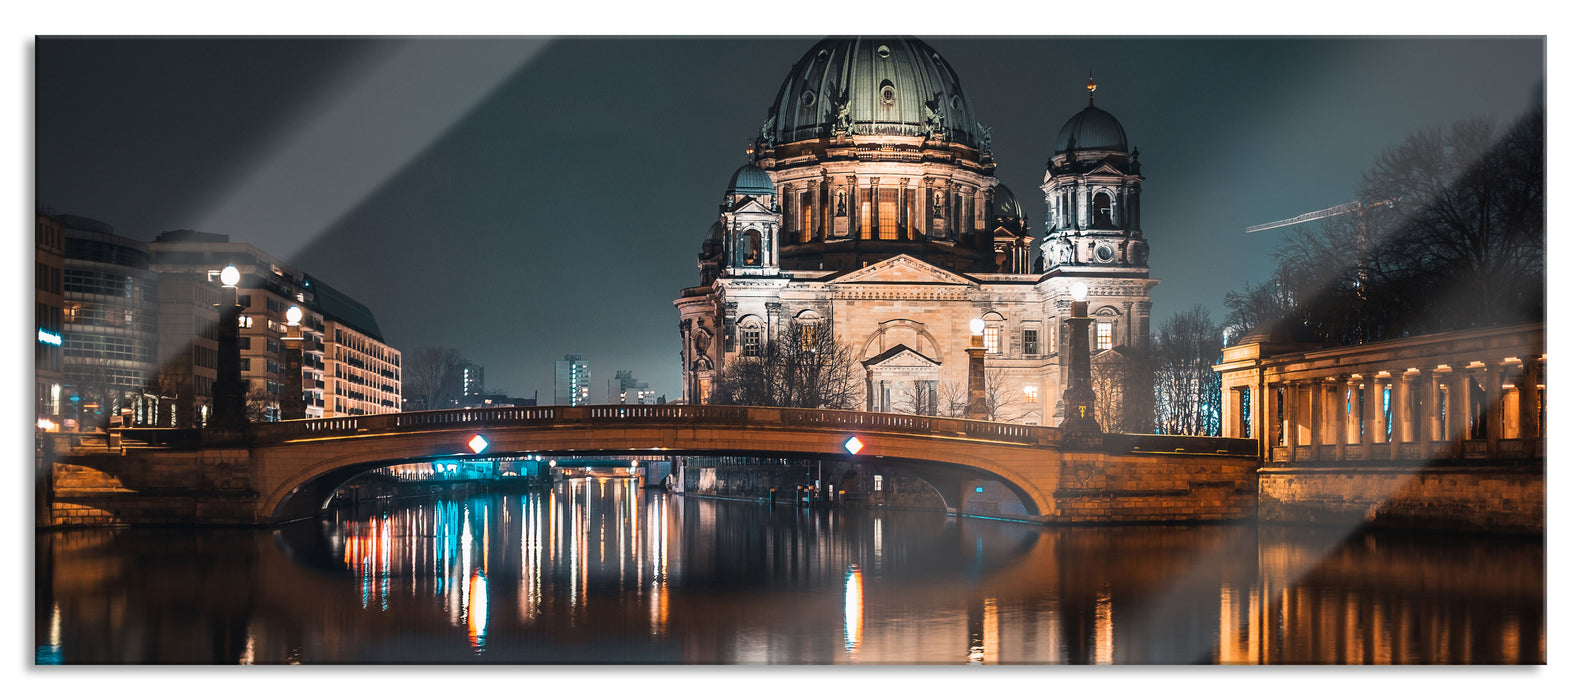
<point>735,416</point>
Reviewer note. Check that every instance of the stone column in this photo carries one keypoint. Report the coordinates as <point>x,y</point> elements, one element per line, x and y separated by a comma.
<point>1315,414</point>
<point>1269,434</point>
<point>1375,410</point>
<point>1335,415</point>
<point>1431,396</point>
<point>1397,411</point>
<point>1456,412</point>
<point>1528,399</point>
<point>1494,407</point>
<point>1079,378</point>
<point>1229,412</point>
<point>1354,412</point>
<point>1412,425</point>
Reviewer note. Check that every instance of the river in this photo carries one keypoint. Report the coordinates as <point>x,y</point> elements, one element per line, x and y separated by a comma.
<point>601,571</point>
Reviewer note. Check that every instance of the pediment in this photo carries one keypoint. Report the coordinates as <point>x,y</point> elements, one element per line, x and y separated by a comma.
<point>899,357</point>
<point>750,205</point>
<point>1105,169</point>
<point>903,269</point>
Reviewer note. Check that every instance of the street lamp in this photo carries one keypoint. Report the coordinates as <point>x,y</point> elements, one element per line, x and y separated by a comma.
<point>292,404</point>
<point>977,395</point>
<point>1079,394</point>
<point>230,390</point>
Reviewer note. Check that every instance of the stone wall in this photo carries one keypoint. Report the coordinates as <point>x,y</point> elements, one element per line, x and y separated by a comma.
<point>1154,487</point>
<point>747,480</point>
<point>1496,499</point>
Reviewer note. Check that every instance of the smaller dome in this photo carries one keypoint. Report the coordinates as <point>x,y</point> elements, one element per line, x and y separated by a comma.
<point>1092,129</point>
<point>1005,204</point>
<point>750,180</point>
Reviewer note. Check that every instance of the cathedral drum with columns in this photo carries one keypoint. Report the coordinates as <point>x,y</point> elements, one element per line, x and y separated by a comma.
<point>870,202</point>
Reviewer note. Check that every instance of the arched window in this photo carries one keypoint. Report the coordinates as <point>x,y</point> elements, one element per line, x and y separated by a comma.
<point>1101,211</point>
<point>755,248</point>
<point>752,337</point>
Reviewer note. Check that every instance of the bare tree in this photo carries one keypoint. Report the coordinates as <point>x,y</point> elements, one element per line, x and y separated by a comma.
<point>262,406</point>
<point>804,367</point>
<point>919,397</point>
<point>1187,389</point>
<point>1461,246</point>
<point>1006,403</point>
<point>433,375</point>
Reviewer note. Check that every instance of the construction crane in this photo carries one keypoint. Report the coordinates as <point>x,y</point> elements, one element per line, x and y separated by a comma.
<point>1360,269</point>
<point>1336,210</point>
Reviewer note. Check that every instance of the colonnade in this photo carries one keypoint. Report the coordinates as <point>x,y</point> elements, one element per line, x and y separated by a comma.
<point>1319,406</point>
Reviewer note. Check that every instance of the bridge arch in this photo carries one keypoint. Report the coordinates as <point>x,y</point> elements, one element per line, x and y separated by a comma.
<point>299,464</point>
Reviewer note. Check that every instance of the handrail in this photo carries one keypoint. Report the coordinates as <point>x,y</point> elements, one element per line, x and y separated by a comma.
<point>734,416</point>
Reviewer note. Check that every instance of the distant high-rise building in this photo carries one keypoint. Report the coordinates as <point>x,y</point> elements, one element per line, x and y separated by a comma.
<point>571,381</point>
<point>626,390</point>
<point>471,379</point>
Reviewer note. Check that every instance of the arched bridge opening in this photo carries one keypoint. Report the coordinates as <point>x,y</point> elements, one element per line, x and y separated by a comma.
<point>302,463</point>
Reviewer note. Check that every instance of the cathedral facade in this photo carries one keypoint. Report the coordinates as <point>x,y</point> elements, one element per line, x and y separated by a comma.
<point>870,203</point>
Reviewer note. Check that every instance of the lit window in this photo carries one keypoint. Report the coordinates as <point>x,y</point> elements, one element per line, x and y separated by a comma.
<point>807,336</point>
<point>1105,338</point>
<point>887,223</point>
<point>991,339</point>
<point>1031,392</point>
<point>878,482</point>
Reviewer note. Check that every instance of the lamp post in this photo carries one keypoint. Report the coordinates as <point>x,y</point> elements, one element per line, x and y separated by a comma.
<point>292,404</point>
<point>977,394</point>
<point>1079,372</point>
<point>230,390</point>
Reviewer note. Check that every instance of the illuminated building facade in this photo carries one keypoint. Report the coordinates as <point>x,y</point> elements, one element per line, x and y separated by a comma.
<point>623,389</point>
<point>108,322</point>
<point>361,367</point>
<point>870,202</point>
<point>572,381</point>
<point>49,304</point>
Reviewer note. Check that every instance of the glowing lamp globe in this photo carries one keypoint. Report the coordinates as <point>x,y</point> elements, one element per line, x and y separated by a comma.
<point>1079,291</point>
<point>230,276</point>
<point>976,325</point>
<point>294,315</point>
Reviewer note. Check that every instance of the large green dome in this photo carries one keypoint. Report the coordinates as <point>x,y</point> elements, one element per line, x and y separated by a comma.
<point>871,85</point>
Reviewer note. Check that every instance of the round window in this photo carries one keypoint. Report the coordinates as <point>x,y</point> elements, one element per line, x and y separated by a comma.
<point>884,51</point>
<point>1105,253</point>
<point>887,95</point>
<point>955,101</point>
<point>808,98</point>
<point>822,54</point>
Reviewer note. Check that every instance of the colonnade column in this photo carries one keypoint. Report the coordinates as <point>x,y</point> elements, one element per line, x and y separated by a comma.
<point>1397,411</point>
<point>1375,411</point>
<point>1277,426</point>
<point>1315,415</point>
<point>1230,412</point>
<point>1435,392</point>
<point>1354,412</point>
<point>1493,407</point>
<point>1528,399</point>
<point>1456,412</point>
<point>1335,415</point>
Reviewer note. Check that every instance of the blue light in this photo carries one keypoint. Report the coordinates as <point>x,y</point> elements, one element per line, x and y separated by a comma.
<point>980,489</point>
<point>49,338</point>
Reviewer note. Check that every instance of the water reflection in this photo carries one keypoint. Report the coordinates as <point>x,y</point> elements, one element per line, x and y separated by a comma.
<point>602,571</point>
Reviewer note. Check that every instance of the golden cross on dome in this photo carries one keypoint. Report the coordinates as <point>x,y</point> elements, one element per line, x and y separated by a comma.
<point>1092,86</point>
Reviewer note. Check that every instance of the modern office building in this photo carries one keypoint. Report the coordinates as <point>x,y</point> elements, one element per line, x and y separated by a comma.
<point>623,389</point>
<point>108,324</point>
<point>571,381</point>
<point>49,304</point>
<point>471,379</point>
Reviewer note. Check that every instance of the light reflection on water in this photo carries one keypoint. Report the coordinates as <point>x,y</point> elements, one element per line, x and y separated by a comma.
<point>602,571</point>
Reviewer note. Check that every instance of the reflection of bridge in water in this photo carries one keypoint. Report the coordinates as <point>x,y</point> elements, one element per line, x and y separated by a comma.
<point>288,470</point>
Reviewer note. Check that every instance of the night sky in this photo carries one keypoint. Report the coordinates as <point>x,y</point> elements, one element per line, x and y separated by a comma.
<point>522,199</point>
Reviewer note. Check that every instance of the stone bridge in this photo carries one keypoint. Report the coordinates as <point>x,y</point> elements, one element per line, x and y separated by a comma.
<point>288,470</point>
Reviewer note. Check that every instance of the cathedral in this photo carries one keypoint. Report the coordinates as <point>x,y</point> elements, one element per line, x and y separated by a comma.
<point>870,203</point>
